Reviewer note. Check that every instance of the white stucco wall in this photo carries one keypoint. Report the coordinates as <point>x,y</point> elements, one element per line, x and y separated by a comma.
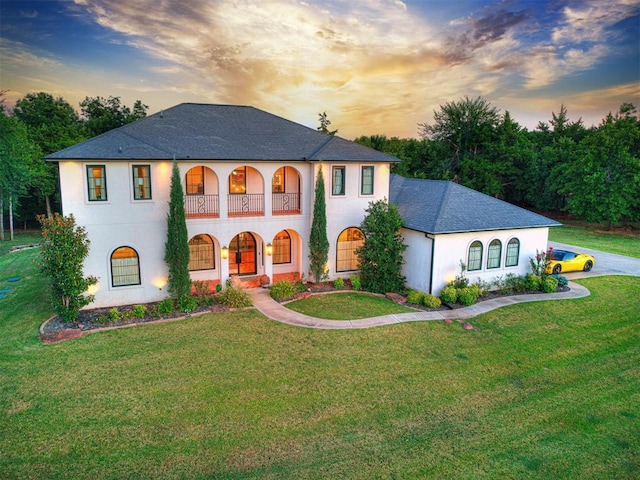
<point>450,249</point>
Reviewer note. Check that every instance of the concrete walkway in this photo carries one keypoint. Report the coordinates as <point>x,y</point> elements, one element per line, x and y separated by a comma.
<point>273,310</point>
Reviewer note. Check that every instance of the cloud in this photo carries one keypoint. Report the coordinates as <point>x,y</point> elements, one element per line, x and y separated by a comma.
<point>592,19</point>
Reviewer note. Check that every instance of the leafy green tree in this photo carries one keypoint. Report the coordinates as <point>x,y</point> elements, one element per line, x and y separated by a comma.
<point>52,122</point>
<point>603,182</point>
<point>20,158</point>
<point>64,249</point>
<point>53,125</point>
<point>104,114</point>
<point>177,245</point>
<point>464,126</point>
<point>318,243</point>
<point>380,257</point>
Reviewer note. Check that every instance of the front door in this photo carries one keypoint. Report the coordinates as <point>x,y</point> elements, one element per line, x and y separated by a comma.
<point>242,255</point>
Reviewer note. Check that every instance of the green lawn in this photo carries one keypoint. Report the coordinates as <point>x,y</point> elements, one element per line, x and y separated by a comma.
<point>346,306</point>
<point>540,390</point>
<point>590,237</point>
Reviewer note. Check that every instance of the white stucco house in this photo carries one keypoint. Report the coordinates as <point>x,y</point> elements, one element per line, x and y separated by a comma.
<point>248,178</point>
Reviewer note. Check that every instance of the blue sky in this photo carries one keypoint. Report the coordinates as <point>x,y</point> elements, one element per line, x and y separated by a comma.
<point>375,67</point>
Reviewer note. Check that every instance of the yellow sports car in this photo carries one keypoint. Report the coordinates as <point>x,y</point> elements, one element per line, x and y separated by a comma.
<point>564,261</point>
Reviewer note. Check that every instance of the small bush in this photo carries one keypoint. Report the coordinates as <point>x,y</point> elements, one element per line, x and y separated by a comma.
<point>114,314</point>
<point>165,306</point>
<point>234,298</point>
<point>139,311</point>
<point>126,315</point>
<point>482,286</point>
<point>467,296</point>
<point>549,285</point>
<point>338,283</point>
<point>431,301</point>
<point>356,284</point>
<point>218,288</point>
<point>152,312</point>
<point>187,303</point>
<point>533,282</point>
<point>449,294</point>
<point>102,319</point>
<point>283,290</point>
<point>515,283</point>
<point>415,297</point>
<point>562,280</point>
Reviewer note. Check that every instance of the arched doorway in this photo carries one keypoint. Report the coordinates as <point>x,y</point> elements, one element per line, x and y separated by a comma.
<point>242,255</point>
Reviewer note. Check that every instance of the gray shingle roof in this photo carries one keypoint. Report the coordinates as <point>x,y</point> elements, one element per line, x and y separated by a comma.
<point>218,132</point>
<point>438,206</point>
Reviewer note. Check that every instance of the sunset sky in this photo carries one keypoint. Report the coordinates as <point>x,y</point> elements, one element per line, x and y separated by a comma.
<point>375,67</point>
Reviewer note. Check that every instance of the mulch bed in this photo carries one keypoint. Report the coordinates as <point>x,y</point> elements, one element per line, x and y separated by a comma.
<point>56,330</point>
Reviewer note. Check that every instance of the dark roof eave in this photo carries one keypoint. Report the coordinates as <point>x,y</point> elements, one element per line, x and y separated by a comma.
<point>417,229</point>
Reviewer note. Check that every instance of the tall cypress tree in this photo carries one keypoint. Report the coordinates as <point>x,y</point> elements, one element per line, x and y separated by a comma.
<point>318,243</point>
<point>176,253</point>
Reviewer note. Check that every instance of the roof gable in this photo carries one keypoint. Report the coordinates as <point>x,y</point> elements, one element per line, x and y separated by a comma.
<point>438,206</point>
<point>218,132</point>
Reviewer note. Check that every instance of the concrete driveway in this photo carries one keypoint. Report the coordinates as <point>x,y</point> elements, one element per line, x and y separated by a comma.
<point>606,263</point>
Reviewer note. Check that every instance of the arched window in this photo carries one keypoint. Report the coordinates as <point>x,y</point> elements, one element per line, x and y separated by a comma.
<point>125,267</point>
<point>350,239</point>
<point>201,253</point>
<point>282,248</point>
<point>475,256</point>
<point>513,252</point>
<point>494,254</point>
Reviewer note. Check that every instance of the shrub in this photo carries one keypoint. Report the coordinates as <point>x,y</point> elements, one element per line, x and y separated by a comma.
<point>461,280</point>
<point>165,306</point>
<point>415,297</point>
<point>562,280</point>
<point>431,301</point>
<point>549,285</point>
<point>187,303</point>
<point>515,283</point>
<point>234,298</point>
<point>139,311</point>
<point>533,282</point>
<point>114,314</point>
<point>467,296</point>
<point>283,290</point>
<point>541,262</point>
<point>338,283</point>
<point>449,294</point>
<point>218,288</point>
<point>482,286</point>
<point>202,292</point>
<point>356,284</point>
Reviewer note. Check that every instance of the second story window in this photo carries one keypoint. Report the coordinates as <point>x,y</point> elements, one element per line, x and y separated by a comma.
<point>238,181</point>
<point>97,183</point>
<point>337,183</point>
<point>142,182</point>
<point>277,182</point>
<point>195,181</point>
<point>366,180</point>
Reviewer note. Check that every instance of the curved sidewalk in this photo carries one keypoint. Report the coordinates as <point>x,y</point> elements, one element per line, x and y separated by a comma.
<point>273,310</point>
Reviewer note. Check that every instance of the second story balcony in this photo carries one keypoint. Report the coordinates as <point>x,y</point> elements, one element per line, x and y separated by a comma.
<point>245,204</point>
<point>202,206</point>
<point>286,204</point>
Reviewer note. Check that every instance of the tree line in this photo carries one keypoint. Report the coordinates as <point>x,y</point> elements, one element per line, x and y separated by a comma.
<point>561,167</point>
<point>39,125</point>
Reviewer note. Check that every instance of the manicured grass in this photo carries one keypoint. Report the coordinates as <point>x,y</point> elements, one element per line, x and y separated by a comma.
<point>346,306</point>
<point>21,237</point>
<point>542,390</point>
<point>591,237</point>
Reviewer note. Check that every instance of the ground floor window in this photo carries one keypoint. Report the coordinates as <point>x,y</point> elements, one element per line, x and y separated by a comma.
<point>282,248</point>
<point>494,254</point>
<point>513,252</point>
<point>348,241</point>
<point>474,261</point>
<point>125,267</point>
<point>201,255</point>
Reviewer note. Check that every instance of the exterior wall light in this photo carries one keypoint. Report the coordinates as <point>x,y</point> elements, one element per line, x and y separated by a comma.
<point>224,251</point>
<point>269,249</point>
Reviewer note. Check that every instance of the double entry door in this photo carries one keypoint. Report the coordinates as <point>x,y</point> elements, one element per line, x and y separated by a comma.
<point>242,255</point>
